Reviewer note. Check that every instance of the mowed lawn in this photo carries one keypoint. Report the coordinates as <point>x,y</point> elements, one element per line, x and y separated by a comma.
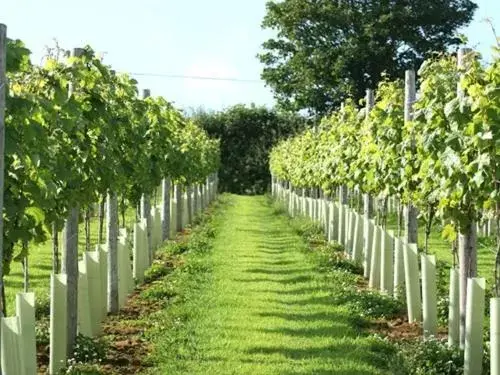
<point>267,309</point>
<point>40,263</point>
<point>442,249</point>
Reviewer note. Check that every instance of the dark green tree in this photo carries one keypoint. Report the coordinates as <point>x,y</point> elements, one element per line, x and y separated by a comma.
<point>327,50</point>
<point>247,134</point>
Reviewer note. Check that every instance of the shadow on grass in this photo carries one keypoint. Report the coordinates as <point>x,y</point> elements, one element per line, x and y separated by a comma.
<point>272,252</point>
<point>302,317</point>
<point>267,271</point>
<point>291,280</point>
<point>31,277</point>
<point>264,263</point>
<point>331,372</point>
<point>296,292</point>
<point>322,301</point>
<point>278,262</point>
<point>354,351</point>
<point>330,330</point>
<point>284,246</point>
<point>44,267</point>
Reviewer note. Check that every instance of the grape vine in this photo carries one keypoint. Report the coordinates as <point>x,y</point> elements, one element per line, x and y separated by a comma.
<point>76,129</point>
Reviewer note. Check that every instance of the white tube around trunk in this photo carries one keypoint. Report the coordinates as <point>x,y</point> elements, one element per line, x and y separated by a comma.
<point>387,262</point>
<point>347,228</point>
<point>429,294</point>
<point>473,354</point>
<point>495,336</point>
<point>399,267</point>
<point>350,232</point>
<point>369,227</point>
<point>341,224</point>
<point>357,245</point>
<point>454,308</point>
<point>412,282</point>
<point>374,281</point>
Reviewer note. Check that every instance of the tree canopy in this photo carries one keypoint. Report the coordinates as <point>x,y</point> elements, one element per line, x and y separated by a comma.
<point>247,134</point>
<point>326,51</point>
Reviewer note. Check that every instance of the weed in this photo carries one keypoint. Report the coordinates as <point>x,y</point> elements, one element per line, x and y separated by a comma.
<point>42,331</point>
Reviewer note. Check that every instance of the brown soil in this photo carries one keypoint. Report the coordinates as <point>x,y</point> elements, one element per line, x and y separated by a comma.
<point>400,329</point>
<point>127,349</point>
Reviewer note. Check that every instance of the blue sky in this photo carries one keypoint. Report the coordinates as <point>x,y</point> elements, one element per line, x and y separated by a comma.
<point>218,38</point>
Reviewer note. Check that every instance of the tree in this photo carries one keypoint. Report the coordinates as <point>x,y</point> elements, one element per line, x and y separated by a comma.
<point>326,51</point>
<point>247,134</point>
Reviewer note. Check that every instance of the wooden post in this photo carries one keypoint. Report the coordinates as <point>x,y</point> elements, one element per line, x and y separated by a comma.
<point>467,237</point>
<point>3,89</point>
<point>146,202</point>
<point>367,203</point>
<point>189,192</point>
<point>367,199</point>
<point>112,246</point>
<point>410,98</point>
<point>25,264</point>
<point>203,198</point>
<point>195,201</point>
<point>165,208</point>
<point>70,255</point>
<point>179,206</point>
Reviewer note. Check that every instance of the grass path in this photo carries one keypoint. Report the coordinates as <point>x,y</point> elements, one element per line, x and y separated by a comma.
<point>268,310</point>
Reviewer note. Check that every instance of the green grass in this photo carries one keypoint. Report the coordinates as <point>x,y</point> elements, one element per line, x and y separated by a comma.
<point>442,249</point>
<point>40,264</point>
<point>259,304</point>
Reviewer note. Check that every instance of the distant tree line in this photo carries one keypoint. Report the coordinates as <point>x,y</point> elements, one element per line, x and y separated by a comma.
<point>247,134</point>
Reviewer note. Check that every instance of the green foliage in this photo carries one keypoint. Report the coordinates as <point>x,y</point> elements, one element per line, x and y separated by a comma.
<point>42,331</point>
<point>443,309</point>
<point>246,136</point>
<point>443,297</point>
<point>42,305</point>
<point>88,354</point>
<point>77,368</point>
<point>429,357</point>
<point>325,51</point>
<point>89,349</point>
<point>332,259</point>
<point>171,324</point>
<point>179,247</point>
<point>332,256</point>
<point>371,304</point>
<point>323,157</point>
<point>200,242</point>
<point>76,129</point>
<point>157,270</point>
<point>161,290</point>
<point>307,228</point>
<point>445,162</point>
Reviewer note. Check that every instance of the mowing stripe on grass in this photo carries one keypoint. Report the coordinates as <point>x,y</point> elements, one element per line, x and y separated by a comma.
<point>268,310</point>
